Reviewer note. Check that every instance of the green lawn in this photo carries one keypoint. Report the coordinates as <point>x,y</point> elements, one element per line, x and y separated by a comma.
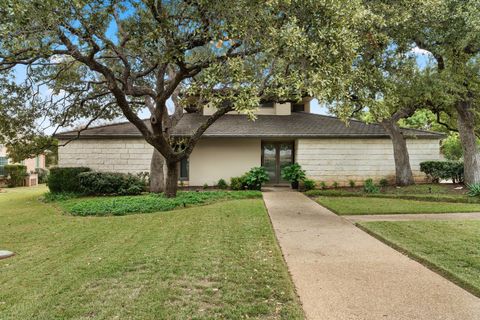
<point>362,205</point>
<point>423,192</point>
<point>219,261</point>
<point>449,247</point>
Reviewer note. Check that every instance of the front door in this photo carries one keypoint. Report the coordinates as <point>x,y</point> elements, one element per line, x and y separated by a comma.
<point>275,156</point>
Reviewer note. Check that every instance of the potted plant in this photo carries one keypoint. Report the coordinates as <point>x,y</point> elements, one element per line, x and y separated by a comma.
<point>293,174</point>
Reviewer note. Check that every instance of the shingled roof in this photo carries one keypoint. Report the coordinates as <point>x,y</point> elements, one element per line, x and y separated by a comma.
<point>296,125</point>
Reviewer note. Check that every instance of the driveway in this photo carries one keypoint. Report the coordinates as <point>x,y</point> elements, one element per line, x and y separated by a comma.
<point>340,272</point>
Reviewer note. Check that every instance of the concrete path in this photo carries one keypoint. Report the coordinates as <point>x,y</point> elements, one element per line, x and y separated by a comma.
<point>340,272</point>
<point>414,217</point>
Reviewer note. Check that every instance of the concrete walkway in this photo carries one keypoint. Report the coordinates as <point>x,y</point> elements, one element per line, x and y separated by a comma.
<point>414,217</point>
<point>340,272</point>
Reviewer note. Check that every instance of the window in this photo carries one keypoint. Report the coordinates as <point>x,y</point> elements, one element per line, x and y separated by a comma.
<point>298,107</point>
<point>267,105</point>
<point>184,170</point>
<point>3,162</point>
<point>37,162</point>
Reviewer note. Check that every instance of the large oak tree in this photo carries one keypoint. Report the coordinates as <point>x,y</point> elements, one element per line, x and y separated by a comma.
<point>102,59</point>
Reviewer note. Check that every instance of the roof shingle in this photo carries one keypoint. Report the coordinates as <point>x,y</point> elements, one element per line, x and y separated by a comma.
<point>296,125</point>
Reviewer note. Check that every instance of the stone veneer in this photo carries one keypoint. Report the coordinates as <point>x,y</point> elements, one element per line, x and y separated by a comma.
<point>342,160</point>
<point>119,155</point>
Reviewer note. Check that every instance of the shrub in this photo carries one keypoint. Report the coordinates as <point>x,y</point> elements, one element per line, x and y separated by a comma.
<point>238,183</point>
<point>42,175</point>
<point>323,185</point>
<point>383,183</point>
<point>110,183</point>
<point>144,176</point>
<point>16,174</point>
<point>351,183</point>
<point>255,178</point>
<point>474,189</point>
<point>205,186</point>
<point>370,187</point>
<point>438,170</point>
<point>335,185</point>
<point>309,184</point>
<point>293,173</point>
<point>65,179</point>
<point>222,184</point>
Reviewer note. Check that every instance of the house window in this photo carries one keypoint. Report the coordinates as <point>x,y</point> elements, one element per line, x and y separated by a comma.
<point>37,162</point>
<point>3,162</point>
<point>267,105</point>
<point>298,107</point>
<point>184,170</point>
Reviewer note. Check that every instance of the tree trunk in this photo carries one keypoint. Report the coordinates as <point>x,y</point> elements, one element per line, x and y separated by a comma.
<point>157,173</point>
<point>403,170</point>
<point>171,182</point>
<point>466,129</point>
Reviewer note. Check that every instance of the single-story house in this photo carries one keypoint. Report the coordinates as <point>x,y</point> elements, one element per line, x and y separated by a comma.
<point>32,164</point>
<point>324,146</point>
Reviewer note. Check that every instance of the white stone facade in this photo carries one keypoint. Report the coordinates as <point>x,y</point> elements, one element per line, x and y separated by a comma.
<point>118,155</point>
<point>342,160</point>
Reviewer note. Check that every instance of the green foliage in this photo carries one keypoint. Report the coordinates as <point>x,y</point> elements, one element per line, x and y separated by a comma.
<point>65,179</point>
<point>255,178</point>
<point>383,183</point>
<point>443,170</point>
<point>474,189</point>
<point>293,173</point>
<point>42,175</point>
<point>323,185</point>
<point>61,196</point>
<point>335,184</point>
<point>238,183</point>
<point>149,203</point>
<point>351,183</point>
<point>205,186</point>
<point>16,174</point>
<point>222,184</point>
<point>110,183</point>
<point>370,187</point>
<point>309,184</point>
<point>452,147</point>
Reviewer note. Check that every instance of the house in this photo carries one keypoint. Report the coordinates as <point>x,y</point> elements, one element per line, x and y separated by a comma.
<point>32,165</point>
<point>324,146</point>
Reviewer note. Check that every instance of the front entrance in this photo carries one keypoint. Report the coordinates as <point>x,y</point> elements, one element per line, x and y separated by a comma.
<point>275,156</point>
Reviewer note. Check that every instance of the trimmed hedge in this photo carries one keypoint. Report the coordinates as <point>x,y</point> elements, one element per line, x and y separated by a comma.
<point>443,170</point>
<point>110,183</point>
<point>65,179</point>
<point>16,174</point>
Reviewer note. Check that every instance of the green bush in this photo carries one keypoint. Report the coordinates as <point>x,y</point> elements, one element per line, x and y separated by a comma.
<point>16,174</point>
<point>335,185</point>
<point>238,183</point>
<point>474,189</point>
<point>293,173</point>
<point>65,179</point>
<point>110,183</point>
<point>123,205</point>
<point>351,183</point>
<point>42,175</point>
<point>205,186</point>
<point>255,178</point>
<point>370,187</point>
<point>309,184</point>
<point>222,184</point>
<point>383,183</point>
<point>323,185</point>
<point>443,170</point>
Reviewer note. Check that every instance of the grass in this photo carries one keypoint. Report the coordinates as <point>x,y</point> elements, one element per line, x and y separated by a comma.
<point>219,261</point>
<point>101,206</point>
<point>451,248</point>
<point>424,192</point>
<point>365,206</point>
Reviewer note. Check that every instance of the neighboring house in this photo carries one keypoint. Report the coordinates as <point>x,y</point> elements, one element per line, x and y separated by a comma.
<point>282,134</point>
<point>32,164</point>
